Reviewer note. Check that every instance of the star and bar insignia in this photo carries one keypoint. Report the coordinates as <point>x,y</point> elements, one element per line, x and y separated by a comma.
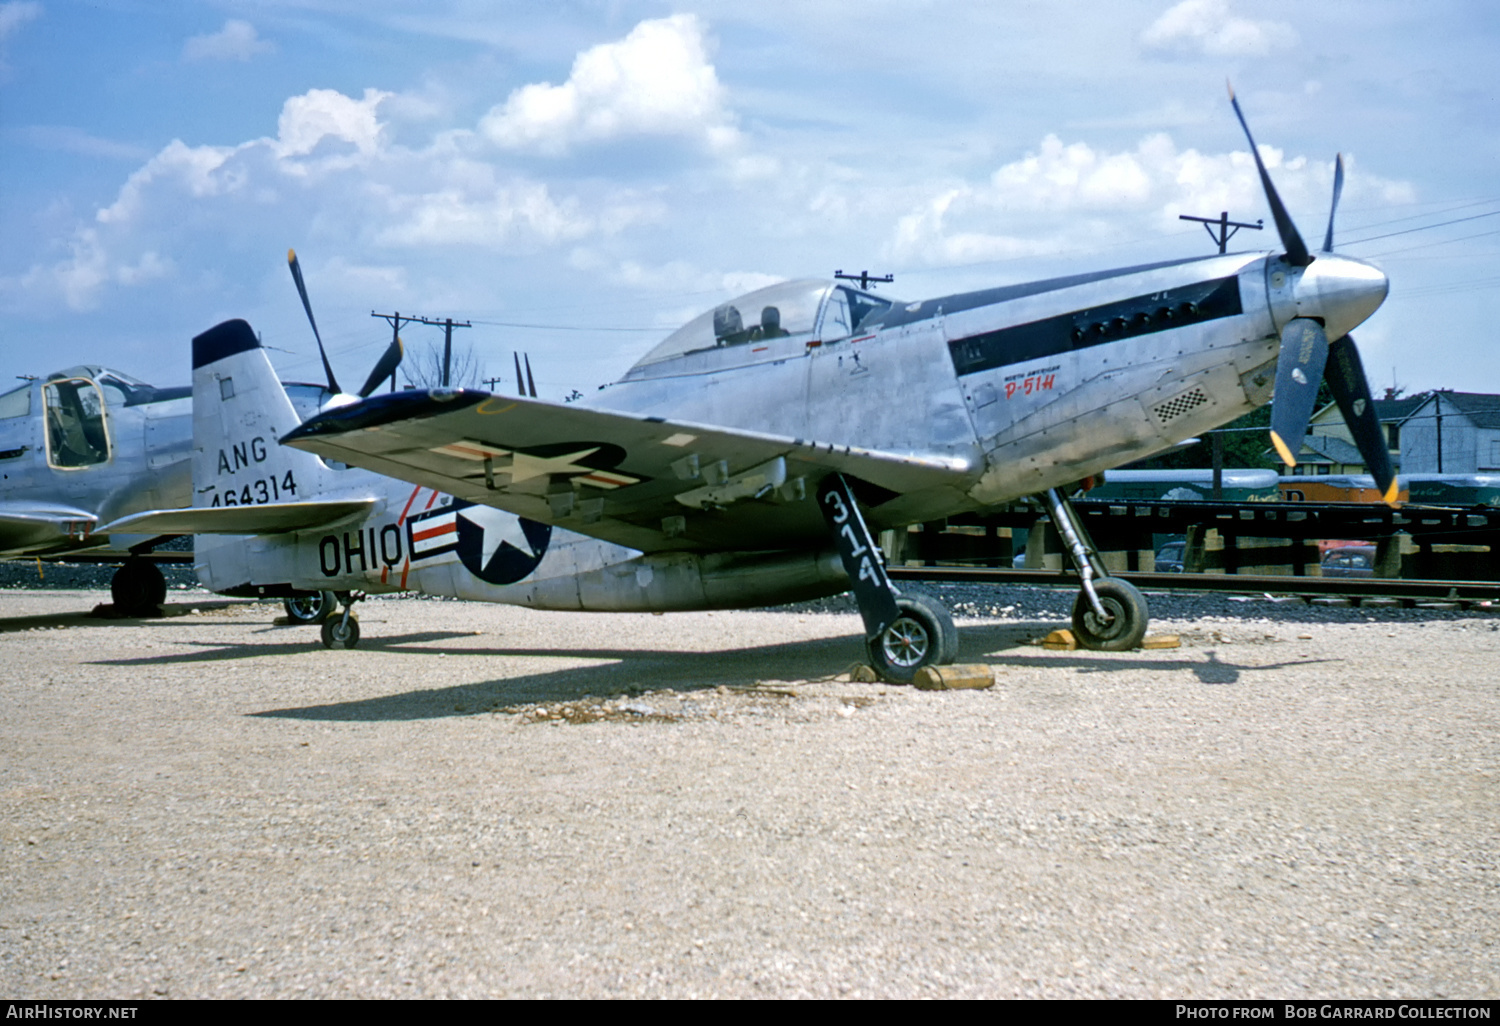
<point>587,463</point>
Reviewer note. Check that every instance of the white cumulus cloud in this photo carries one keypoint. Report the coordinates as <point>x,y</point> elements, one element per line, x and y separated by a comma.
<point>1071,196</point>
<point>330,169</point>
<point>1209,27</point>
<point>319,114</point>
<point>657,81</point>
<point>236,41</point>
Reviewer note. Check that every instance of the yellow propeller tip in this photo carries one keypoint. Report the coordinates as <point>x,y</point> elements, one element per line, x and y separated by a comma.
<point>291,256</point>
<point>1390,493</point>
<point>1282,450</point>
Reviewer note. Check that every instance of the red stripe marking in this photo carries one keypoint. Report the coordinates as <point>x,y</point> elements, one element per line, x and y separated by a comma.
<point>407,508</point>
<point>433,532</point>
<point>385,570</point>
<point>455,447</point>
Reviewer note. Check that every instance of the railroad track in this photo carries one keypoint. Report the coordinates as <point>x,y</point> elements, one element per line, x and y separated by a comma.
<point>1255,584</point>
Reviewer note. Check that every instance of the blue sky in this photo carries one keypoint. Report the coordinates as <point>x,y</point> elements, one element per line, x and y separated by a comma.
<point>579,178</point>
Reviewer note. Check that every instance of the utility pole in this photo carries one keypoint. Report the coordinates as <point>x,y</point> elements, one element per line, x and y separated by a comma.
<point>395,320</point>
<point>447,324</point>
<point>866,280</point>
<point>1223,223</point>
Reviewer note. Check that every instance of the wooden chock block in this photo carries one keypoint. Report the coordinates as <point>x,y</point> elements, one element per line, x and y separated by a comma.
<point>1060,641</point>
<point>1162,641</point>
<point>954,678</point>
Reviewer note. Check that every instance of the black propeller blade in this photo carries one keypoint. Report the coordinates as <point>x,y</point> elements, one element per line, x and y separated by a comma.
<point>1351,390</point>
<point>384,368</point>
<point>291,259</point>
<point>1299,371</point>
<point>527,385</point>
<point>1296,250</point>
<point>1338,190</point>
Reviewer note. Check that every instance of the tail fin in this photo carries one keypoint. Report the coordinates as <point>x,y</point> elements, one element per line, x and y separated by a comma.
<point>240,413</point>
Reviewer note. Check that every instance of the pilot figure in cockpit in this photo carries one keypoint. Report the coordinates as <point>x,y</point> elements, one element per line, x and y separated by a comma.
<point>729,329</point>
<point>770,325</point>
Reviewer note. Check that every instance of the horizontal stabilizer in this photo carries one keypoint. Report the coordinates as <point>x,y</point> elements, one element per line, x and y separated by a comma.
<point>270,518</point>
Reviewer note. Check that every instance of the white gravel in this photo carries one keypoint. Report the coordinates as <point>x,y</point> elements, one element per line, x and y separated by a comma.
<point>208,805</point>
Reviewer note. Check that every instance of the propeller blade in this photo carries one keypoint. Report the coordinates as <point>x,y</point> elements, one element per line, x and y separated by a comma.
<point>384,368</point>
<point>1296,249</point>
<point>291,259</point>
<point>1338,190</point>
<point>1351,390</point>
<point>530,383</point>
<point>1299,371</point>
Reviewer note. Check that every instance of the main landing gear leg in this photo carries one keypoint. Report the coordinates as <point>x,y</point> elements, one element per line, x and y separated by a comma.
<point>1109,614</point>
<point>904,631</point>
<point>341,630</point>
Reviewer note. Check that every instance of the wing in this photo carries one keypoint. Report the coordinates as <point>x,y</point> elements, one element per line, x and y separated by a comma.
<point>32,529</point>
<point>269,518</point>
<point>644,482</point>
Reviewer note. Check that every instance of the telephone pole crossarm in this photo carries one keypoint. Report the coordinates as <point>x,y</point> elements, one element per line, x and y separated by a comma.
<point>447,324</point>
<point>1224,224</point>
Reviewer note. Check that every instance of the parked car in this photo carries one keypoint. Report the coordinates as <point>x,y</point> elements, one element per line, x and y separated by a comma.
<point>1350,561</point>
<point>1169,557</point>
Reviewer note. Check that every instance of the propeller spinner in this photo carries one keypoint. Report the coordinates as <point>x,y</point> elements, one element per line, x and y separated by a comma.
<point>1332,294</point>
<point>384,368</point>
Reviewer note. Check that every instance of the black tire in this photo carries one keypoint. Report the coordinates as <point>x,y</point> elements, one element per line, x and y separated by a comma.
<point>1129,617</point>
<point>138,588</point>
<point>923,635</point>
<point>309,607</point>
<point>337,633</point>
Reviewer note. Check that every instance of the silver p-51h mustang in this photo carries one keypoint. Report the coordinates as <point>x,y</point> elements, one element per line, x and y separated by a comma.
<point>750,458</point>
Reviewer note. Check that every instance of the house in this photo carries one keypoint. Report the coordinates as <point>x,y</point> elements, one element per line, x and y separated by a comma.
<point>1452,433</point>
<point>1329,446</point>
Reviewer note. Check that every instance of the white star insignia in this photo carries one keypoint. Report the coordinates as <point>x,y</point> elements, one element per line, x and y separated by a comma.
<point>524,467</point>
<point>500,528</point>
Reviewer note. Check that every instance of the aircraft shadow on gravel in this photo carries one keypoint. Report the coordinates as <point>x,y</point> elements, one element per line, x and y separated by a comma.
<point>631,670</point>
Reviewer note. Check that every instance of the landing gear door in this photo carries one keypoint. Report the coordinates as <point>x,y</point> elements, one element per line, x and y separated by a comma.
<point>77,435</point>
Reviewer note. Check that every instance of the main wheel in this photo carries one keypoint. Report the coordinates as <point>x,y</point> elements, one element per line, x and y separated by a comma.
<point>1126,626</point>
<point>339,633</point>
<point>923,635</point>
<point>308,607</point>
<point>138,588</point>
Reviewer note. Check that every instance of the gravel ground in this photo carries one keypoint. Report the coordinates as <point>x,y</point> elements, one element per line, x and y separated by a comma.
<point>483,801</point>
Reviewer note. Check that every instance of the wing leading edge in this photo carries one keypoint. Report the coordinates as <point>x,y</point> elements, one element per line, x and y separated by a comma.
<point>645,482</point>
<point>27,529</point>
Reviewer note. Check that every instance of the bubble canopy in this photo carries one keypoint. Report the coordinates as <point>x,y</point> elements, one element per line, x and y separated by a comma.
<point>806,309</point>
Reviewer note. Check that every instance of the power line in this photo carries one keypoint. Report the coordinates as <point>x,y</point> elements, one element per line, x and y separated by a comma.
<point>1422,228</point>
<point>562,327</point>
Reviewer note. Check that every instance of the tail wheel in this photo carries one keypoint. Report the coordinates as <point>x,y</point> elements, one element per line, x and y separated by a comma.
<point>923,635</point>
<point>307,607</point>
<point>340,632</point>
<point>1125,628</point>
